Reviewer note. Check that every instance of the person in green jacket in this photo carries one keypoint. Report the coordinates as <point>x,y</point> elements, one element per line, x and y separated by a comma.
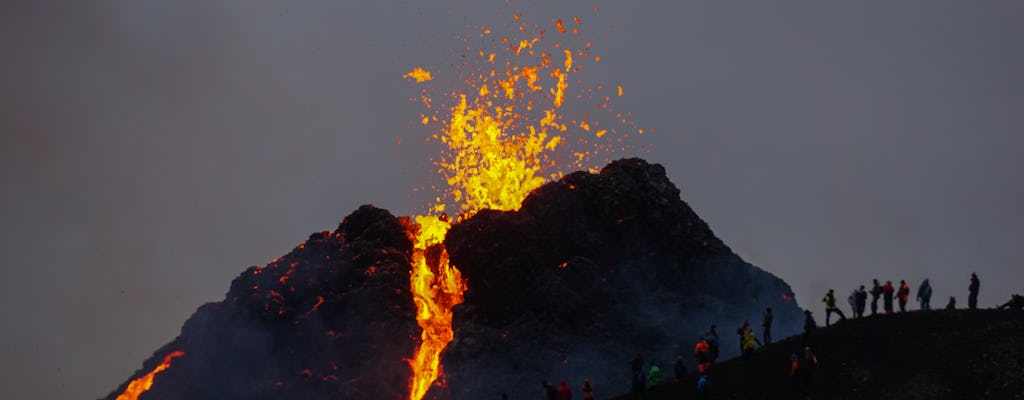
<point>830,307</point>
<point>653,375</point>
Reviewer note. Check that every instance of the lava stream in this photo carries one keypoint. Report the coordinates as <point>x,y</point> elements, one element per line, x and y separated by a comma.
<point>139,386</point>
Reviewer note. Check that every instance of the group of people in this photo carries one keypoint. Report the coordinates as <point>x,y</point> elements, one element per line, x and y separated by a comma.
<point>858,299</point>
<point>563,392</point>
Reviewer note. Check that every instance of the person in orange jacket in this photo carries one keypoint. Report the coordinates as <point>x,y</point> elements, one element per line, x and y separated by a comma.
<point>903,294</point>
<point>887,292</point>
<point>702,352</point>
<point>588,391</point>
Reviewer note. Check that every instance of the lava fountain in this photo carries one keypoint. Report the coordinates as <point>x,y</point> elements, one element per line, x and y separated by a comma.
<point>499,135</point>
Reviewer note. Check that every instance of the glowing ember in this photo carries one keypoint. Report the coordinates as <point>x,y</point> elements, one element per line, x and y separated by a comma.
<point>142,384</point>
<point>499,134</point>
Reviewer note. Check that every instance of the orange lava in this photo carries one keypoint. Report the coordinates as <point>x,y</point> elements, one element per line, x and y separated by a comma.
<point>142,384</point>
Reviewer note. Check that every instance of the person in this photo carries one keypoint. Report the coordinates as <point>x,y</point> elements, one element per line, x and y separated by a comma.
<point>952,303</point>
<point>1016,302</point>
<point>887,292</point>
<point>639,383</point>
<point>654,376</point>
<point>564,393</point>
<point>550,393</point>
<point>767,324</point>
<point>712,338</point>
<point>876,291</point>
<point>637,364</point>
<point>852,301</point>
<point>972,298</point>
<point>587,389</point>
<point>750,343</point>
<point>830,307</point>
<point>924,295</point>
<point>861,297</point>
<point>740,331</point>
<point>808,365</point>
<point>794,373</point>
<point>702,352</point>
<point>680,370</point>
<point>703,387</point>
<point>809,325</point>
<point>902,295</point>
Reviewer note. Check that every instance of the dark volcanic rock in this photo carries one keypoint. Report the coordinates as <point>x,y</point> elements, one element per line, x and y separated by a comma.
<point>331,319</point>
<point>591,270</point>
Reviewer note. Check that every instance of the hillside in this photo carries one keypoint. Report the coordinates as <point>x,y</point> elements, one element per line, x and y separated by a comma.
<point>917,355</point>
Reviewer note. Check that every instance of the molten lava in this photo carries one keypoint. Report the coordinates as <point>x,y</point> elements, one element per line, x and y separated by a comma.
<point>142,384</point>
<point>499,135</point>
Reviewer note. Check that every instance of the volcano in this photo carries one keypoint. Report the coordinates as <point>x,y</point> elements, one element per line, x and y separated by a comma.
<point>590,270</point>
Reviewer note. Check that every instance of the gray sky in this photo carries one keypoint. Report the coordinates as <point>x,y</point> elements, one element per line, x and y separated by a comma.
<point>150,150</point>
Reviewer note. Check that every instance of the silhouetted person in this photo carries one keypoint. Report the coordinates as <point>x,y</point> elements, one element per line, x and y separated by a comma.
<point>830,307</point>
<point>887,292</point>
<point>794,374</point>
<point>750,343</point>
<point>902,295</point>
<point>653,375</point>
<point>876,291</point>
<point>564,393</point>
<point>924,295</point>
<point>712,339</point>
<point>809,325</point>
<point>1016,302</point>
<point>972,298</point>
<point>550,393</point>
<point>861,298</point>
<point>703,387</point>
<point>680,368</point>
<point>740,331</point>
<point>637,364</point>
<point>588,390</point>
<point>766,322</point>
<point>639,379</point>
<point>852,301</point>
<point>952,303</point>
<point>809,364</point>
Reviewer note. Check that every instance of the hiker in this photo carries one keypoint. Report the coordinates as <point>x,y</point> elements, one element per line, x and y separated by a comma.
<point>808,365</point>
<point>750,343</point>
<point>703,387</point>
<point>952,303</point>
<point>924,295</point>
<point>654,376</point>
<point>809,325</point>
<point>903,294</point>
<point>564,393</point>
<point>680,369</point>
<point>830,307</point>
<point>794,373</point>
<point>740,331</point>
<point>702,352</point>
<point>1016,302</point>
<point>637,365</point>
<point>972,298</point>
<point>876,291</point>
<point>852,301</point>
<point>712,338</point>
<point>549,391</point>
<point>588,391</point>
<point>767,324</point>
<point>887,292</point>
<point>861,297</point>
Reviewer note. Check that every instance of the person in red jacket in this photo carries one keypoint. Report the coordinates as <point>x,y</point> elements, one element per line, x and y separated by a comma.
<point>564,393</point>
<point>903,294</point>
<point>887,292</point>
<point>702,351</point>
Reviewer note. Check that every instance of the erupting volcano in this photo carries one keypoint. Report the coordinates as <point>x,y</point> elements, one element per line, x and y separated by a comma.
<point>530,277</point>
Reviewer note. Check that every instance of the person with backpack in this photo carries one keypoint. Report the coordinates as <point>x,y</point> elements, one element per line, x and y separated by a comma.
<point>587,389</point>
<point>972,297</point>
<point>830,307</point>
<point>876,291</point>
<point>924,295</point>
<point>702,352</point>
<point>861,297</point>
<point>564,393</point>
<point>766,323</point>
<point>903,294</point>
<point>887,292</point>
<point>750,343</point>
<point>809,325</point>
<point>712,338</point>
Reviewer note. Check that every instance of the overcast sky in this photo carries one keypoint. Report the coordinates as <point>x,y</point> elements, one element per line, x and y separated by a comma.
<point>152,150</point>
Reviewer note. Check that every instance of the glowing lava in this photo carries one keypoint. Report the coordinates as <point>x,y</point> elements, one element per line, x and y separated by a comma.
<point>498,135</point>
<point>142,384</point>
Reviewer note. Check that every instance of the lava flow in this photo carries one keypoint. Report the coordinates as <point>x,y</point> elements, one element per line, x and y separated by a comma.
<point>142,384</point>
<point>498,139</point>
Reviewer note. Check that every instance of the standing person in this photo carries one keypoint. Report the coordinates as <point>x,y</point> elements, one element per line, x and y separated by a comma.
<point>564,393</point>
<point>750,343</point>
<point>550,393</point>
<point>809,325</point>
<point>701,352</point>
<point>887,292</point>
<point>654,376</point>
<point>794,374</point>
<point>767,324</point>
<point>588,391</point>
<point>861,298</point>
<point>712,338</point>
<point>852,301</point>
<point>972,298</point>
<point>924,295</point>
<point>637,364</point>
<point>876,291</point>
<point>740,331</point>
<point>808,365</point>
<point>703,387</point>
<point>680,369</point>
<point>903,294</point>
<point>830,307</point>
<point>639,380</point>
